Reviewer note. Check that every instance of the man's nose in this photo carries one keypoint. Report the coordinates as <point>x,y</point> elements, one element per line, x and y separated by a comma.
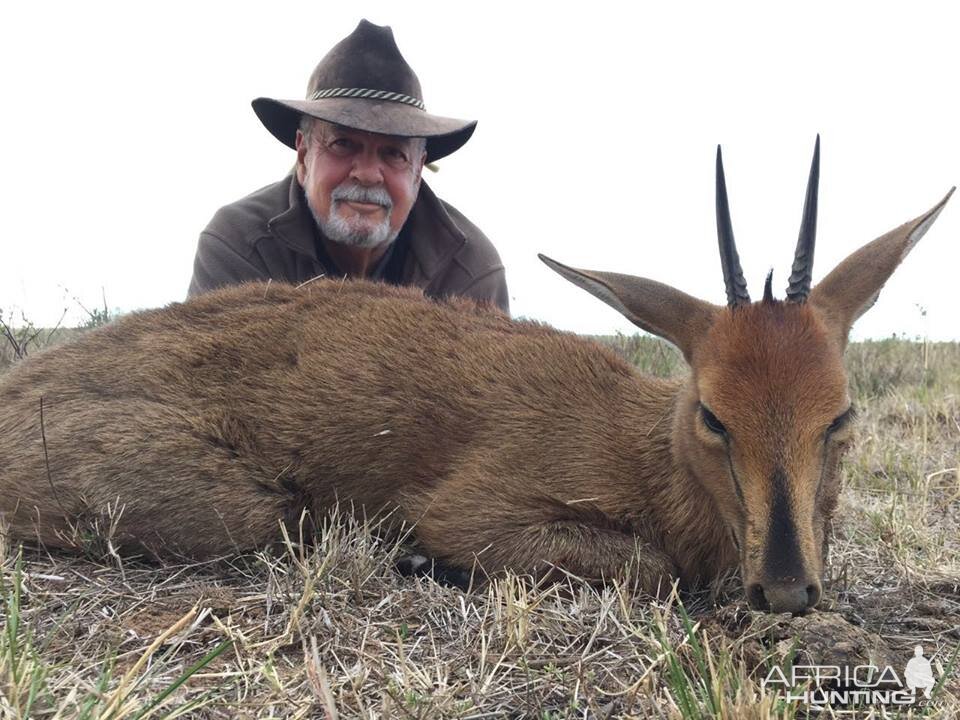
<point>367,169</point>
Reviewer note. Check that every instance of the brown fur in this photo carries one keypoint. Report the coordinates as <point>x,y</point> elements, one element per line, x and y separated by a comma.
<point>507,443</point>
<point>211,420</point>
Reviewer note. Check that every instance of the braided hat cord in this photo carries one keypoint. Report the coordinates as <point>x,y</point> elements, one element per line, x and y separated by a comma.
<point>368,93</point>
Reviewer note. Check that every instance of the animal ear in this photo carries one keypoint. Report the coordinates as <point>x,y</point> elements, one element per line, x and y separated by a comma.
<point>853,286</point>
<point>655,307</point>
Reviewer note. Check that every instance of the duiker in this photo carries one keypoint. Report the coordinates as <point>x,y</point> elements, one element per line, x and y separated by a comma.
<point>206,424</point>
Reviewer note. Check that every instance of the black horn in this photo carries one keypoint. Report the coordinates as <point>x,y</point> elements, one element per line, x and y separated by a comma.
<point>802,271</point>
<point>729,259</point>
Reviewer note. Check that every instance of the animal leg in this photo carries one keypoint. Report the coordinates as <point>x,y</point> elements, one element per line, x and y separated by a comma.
<point>540,536</point>
<point>148,477</point>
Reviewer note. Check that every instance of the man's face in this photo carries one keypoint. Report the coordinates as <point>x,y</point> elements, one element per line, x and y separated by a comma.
<point>359,186</point>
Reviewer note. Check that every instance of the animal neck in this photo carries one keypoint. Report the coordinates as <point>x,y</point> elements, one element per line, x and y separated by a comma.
<point>675,504</point>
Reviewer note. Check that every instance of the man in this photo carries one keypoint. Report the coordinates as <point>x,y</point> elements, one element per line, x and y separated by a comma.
<point>355,205</point>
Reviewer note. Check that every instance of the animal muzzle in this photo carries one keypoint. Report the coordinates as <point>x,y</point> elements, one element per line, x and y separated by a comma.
<point>793,595</point>
<point>782,577</point>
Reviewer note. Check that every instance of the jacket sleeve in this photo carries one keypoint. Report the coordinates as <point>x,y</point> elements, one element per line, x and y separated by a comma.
<point>492,288</point>
<point>217,264</point>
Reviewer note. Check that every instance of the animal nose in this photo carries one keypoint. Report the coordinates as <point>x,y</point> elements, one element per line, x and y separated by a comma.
<point>793,596</point>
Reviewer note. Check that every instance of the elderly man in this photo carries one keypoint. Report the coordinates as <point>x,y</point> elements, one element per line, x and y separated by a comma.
<point>356,204</point>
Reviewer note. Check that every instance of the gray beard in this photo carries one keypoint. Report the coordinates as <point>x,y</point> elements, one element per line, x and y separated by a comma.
<point>355,234</point>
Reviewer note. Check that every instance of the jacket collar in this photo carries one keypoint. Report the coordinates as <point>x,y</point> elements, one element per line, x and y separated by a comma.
<point>295,226</point>
<point>434,237</point>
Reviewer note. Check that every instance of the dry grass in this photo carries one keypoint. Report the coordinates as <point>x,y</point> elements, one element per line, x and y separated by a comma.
<point>332,631</point>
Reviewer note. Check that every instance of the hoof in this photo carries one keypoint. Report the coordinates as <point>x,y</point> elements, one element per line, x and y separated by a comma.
<point>411,565</point>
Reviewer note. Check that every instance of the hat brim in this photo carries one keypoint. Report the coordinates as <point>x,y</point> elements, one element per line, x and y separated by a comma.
<point>444,135</point>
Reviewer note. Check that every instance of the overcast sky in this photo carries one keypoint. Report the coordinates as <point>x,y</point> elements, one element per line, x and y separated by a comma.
<point>126,125</point>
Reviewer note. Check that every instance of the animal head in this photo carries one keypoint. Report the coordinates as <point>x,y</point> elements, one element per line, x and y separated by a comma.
<point>766,414</point>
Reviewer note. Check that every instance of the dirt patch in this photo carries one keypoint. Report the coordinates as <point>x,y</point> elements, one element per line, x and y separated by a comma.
<point>153,617</point>
<point>817,638</point>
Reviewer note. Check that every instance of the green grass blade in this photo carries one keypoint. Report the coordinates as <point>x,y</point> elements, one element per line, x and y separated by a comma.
<point>188,673</point>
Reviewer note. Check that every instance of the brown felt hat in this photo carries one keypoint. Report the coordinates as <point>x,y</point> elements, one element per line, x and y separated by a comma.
<point>365,84</point>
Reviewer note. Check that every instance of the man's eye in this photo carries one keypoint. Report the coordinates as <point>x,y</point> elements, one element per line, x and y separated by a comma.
<point>341,146</point>
<point>711,422</point>
<point>395,156</point>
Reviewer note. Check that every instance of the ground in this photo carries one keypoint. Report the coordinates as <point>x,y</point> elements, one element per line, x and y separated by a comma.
<point>333,631</point>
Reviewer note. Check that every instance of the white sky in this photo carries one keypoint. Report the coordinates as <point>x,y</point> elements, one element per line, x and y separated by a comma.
<point>125,125</point>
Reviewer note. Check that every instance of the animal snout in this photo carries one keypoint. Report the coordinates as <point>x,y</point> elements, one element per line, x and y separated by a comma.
<point>792,595</point>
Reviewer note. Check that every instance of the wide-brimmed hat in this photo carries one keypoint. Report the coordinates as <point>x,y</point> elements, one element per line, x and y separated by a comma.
<point>365,84</point>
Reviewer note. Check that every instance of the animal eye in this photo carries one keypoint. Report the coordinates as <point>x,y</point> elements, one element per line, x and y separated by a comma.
<point>711,422</point>
<point>842,420</point>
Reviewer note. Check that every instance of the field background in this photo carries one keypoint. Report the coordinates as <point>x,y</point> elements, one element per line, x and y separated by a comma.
<point>333,631</point>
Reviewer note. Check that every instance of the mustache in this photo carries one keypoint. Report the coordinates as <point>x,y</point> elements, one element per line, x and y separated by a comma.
<point>358,193</point>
